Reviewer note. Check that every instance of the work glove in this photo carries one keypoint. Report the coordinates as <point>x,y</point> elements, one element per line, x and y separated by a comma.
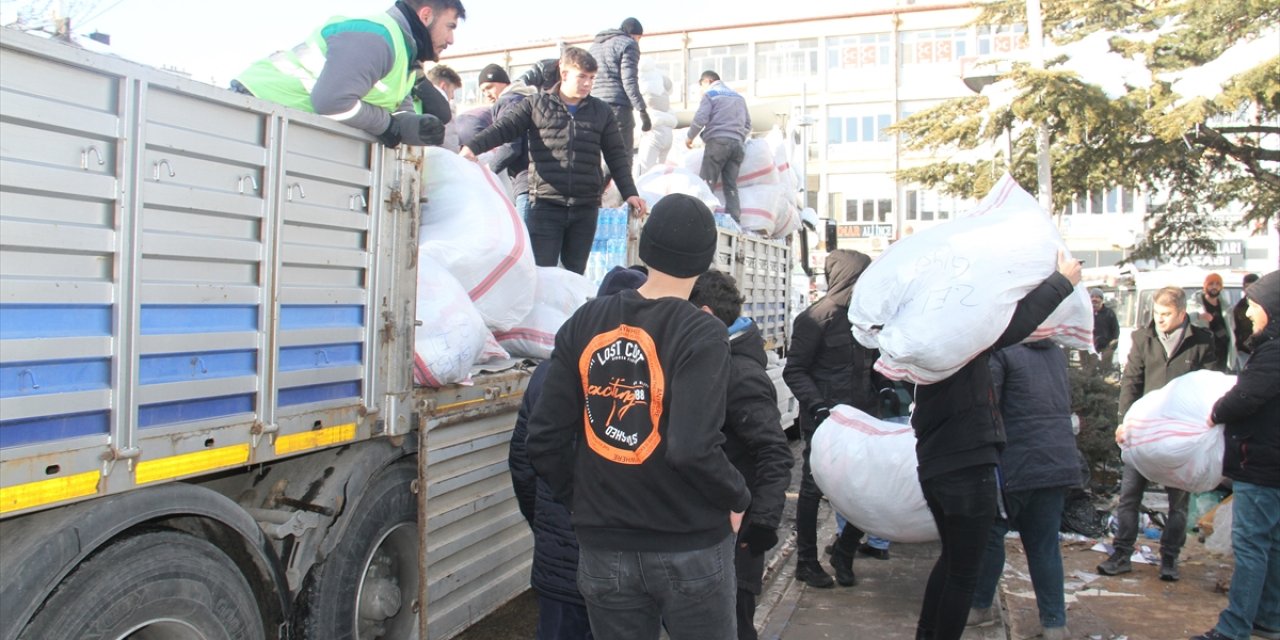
<point>645,123</point>
<point>759,538</point>
<point>820,413</point>
<point>413,129</point>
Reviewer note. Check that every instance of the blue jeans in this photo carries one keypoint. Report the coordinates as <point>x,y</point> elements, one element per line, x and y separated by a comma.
<point>963,504</point>
<point>522,206</point>
<point>630,595</point>
<point>1037,516</point>
<point>559,620</point>
<point>1254,598</point>
<point>872,541</point>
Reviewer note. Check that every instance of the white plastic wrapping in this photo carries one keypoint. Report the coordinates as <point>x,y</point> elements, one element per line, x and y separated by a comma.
<point>1166,437</point>
<point>450,336</point>
<point>560,293</point>
<point>867,469</point>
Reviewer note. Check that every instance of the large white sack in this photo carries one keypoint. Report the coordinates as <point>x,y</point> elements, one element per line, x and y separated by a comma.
<point>757,164</point>
<point>450,336</point>
<point>1167,439</point>
<point>560,293</point>
<point>472,228</point>
<point>788,174</point>
<point>1220,540</point>
<point>867,469</point>
<point>666,179</point>
<point>767,208</point>
<point>937,298</point>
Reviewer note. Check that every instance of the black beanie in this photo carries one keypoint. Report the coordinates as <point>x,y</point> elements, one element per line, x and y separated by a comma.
<point>494,73</point>
<point>620,279</point>
<point>679,238</point>
<point>632,27</point>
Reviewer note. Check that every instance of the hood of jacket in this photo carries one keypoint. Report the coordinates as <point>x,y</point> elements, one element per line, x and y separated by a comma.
<point>746,340</point>
<point>1266,294</point>
<point>609,34</point>
<point>843,268</point>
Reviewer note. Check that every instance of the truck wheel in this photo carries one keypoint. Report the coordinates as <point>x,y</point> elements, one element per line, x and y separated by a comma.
<point>158,584</point>
<point>365,588</point>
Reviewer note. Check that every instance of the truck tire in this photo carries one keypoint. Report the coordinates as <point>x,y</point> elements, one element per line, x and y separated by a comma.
<point>156,584</point>
<point>365,588</point>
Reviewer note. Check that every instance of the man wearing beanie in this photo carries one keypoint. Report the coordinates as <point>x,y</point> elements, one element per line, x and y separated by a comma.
<point>1243,326</point>
<point>627,433</point>
<point>1212,316</point>
<point>492,81</point>
<point>618,84</point>
<point>568,130</point>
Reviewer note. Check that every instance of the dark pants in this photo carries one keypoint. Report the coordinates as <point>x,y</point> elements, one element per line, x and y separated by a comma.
<point>807,510</point>
<point>963,504</point>
<point>559,620</point>
<point>1037,516</point>
<point>561,234</point>
<point>1132,486</point>
<point>626,119</point>
<point>630,595</point>
<point>720,163</point>
<point>746,615</point>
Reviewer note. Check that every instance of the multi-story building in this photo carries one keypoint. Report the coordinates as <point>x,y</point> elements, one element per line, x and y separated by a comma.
<point>838,82</point>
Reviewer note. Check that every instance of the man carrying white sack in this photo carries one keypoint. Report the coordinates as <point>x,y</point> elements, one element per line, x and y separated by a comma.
<point>1163,350</point>
<point>1251,413</point>
<point>958,443</point>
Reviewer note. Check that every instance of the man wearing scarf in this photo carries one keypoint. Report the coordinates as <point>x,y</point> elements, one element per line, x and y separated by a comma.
<point>360,71</point>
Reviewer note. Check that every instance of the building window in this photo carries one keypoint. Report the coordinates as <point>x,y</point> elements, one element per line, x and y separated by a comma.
<point>867,210</point>
<point>787,60</point>
<point>1115,200</point>
<point>858,52</point>
<point>934,46</point>
<point>858,123</point>
<point>1001,39</point>
<point>671,64</point>
<point>731,62</point>
<point>928,206</point>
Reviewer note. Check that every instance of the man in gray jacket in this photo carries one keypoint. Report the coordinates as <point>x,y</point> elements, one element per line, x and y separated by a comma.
<point>618,81</point>
<point>724,123</point>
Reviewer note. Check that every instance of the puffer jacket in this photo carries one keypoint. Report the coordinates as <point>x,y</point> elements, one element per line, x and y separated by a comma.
<point>564,149</point>
<point>1149,368</point>
<point>754,440</point>
<point>513,157</point>
<point>1251,409</point>
<point>825,365</point>
<point>1034,396</point>
<point>555,545</point>
<point>618,78</point>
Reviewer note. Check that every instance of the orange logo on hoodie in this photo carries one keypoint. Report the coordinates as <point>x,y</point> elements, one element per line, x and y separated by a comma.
<point>623,384</point>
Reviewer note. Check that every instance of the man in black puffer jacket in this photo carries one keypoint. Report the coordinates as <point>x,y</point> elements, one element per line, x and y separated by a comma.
<point>754,439</point>
<point>568,132</point>
<point>562,614</point>
<point>825,367</point>
<point>618,52</point>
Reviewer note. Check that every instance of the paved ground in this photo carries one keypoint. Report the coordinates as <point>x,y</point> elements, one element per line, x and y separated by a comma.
<point>886,601</point>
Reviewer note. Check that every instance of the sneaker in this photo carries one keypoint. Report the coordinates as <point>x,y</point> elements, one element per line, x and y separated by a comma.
<point>1211,634</point>
<point>843,564</point>
<point>1055,633</point>
<point>1169,569</point>
<point>1260,631</point>
<point>1117,564</point>
<point>811,573</point>
<point>981,617</point>
<point>878,554</point>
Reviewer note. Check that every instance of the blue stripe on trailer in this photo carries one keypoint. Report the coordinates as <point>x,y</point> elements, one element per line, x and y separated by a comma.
<point>19,321</point>
<point>320,356</point>
<point>160,319</point>
<point>53,376</point>
<point>318,393</point>
<point>166,413</point>
<point>182,367</point>
<point>14,433</point>
<point>315,316</point>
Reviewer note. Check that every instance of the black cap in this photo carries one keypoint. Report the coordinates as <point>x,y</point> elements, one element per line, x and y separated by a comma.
<point>679,238</point>
<point>494,73</point>
<point>620,279</point>
<point>632,27</point>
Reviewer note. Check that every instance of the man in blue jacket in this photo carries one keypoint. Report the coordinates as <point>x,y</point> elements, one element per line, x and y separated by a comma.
<point>724,123</point>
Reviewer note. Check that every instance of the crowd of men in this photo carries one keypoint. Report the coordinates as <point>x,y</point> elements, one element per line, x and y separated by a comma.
<point>649,457</point>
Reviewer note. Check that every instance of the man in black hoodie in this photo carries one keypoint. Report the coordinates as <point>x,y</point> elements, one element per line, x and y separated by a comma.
<point>1251,413</point>
<point>618,52</point>
<point>628,434</point>
<point>958,443</point>
<point>754,439</point>
<point>826,367</point>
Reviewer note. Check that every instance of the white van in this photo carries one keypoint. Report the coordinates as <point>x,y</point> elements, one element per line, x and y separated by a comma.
<point>1133,302</point>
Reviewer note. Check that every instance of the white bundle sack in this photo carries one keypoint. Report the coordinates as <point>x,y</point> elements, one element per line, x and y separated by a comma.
<point>1220,540</point>
<point>472,228</point>
<point>766,208</point>
<point>654,145</point>
<point>666,179</point>
<point>560,293</point>
<point>936,299</point>
<point>450,336</point>
<point>867,469</point>
<point>1167,439</point>
<point>757,164</point>
<point>788,175</point>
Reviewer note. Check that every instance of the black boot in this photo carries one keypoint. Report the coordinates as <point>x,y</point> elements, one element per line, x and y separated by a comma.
<point>811,573</point>
<point>842,562</point>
